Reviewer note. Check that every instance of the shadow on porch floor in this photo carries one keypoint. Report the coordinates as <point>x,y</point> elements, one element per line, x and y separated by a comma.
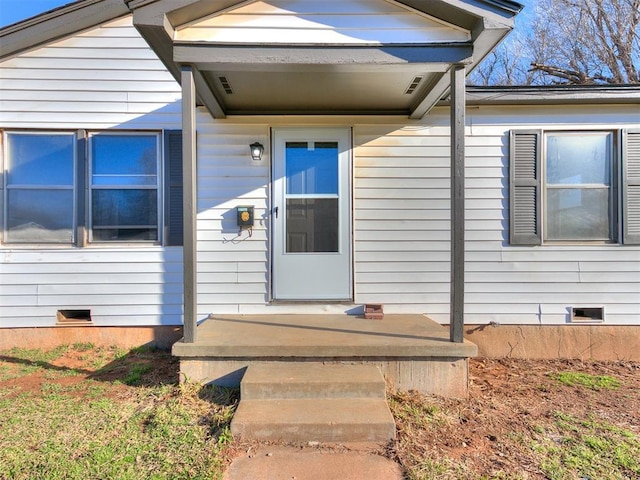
<point>412,351</point>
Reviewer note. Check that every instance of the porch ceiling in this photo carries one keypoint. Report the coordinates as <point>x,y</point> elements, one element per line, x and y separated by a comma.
<point>363,77</point>
<point>313,92</point>
<point>313,80</point>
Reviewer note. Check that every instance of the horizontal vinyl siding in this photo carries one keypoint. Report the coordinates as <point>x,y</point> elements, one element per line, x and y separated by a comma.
<point>232,267</point>
<point>329,21</point>
<point>103,78</point>
<point>402,220</point>
<point>141,287</point>
<point>106,77</point>
<point>538,285</point>
<point>401,226</point>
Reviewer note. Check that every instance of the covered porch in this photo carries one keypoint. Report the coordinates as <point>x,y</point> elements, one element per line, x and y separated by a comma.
<point>303,60</point>
<point>412,351</point>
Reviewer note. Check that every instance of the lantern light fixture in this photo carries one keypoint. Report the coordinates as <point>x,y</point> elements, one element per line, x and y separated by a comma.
<point>257,149</point>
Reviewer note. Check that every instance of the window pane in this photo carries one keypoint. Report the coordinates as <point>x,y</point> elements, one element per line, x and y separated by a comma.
<point>113,208</point>
<point>45,159</point>
<point>124,159</point>
<point>124,234</point>
<point>125,180</point>
<point>312,225</point>
<point>577,214</point>
<point>124,214</point>
<point>40,216</point>
<point>312,168</point>
<point>578,159</point>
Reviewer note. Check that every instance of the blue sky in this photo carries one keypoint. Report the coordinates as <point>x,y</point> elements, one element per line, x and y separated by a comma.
<point>12,11</point>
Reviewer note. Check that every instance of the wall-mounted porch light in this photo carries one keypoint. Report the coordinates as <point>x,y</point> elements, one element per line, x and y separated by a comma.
<point>256,151</point>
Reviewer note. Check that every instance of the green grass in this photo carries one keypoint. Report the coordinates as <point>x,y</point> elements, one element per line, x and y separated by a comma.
<point>415,412</point>
<point>19,362</point>
<point>556,446</point>
<point>83,346</point>
<point>75,439</point>
<point>593,382</point>
<point>136,373</point>
<point>576,447</point>
<point>94,429</point>
<point>37,356</point>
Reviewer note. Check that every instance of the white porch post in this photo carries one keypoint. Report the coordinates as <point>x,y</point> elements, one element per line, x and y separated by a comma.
<point>456,326</point>
<point>189,206</point>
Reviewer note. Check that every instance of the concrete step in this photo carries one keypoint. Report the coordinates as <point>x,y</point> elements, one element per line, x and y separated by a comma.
<point>311,380</point>
<point>339,420</point>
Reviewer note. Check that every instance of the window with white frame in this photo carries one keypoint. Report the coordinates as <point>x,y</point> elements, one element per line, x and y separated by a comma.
<point>78,187</point>
<point>574,187</point>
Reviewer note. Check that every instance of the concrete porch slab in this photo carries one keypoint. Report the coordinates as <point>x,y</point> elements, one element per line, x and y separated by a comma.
<point>322,336</point>
<point>412,351</point>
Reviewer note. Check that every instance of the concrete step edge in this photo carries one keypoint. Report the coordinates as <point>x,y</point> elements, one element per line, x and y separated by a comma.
<point>312,380</point>
<point>301,390</point>
<point>327,420</point>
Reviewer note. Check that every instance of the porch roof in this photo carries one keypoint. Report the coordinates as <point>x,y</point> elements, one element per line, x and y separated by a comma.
<point>282,74</point>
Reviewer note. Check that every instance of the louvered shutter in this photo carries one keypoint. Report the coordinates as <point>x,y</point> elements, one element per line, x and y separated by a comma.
<point>173,187</point>
<point>82,224</point>
<point>631,187</point>
<point>525,187</point>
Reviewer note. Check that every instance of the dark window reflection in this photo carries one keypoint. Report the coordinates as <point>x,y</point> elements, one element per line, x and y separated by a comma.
<point>312,225</point>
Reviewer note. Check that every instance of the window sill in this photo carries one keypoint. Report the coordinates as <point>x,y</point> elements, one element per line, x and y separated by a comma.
<point>93,246</point>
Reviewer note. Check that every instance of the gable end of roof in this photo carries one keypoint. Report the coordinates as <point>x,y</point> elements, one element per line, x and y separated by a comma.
<point>58,23</point>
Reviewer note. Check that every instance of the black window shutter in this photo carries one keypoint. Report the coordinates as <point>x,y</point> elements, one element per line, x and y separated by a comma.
<point>82,226</point>
<point>525,172</point>
<point>173,220</point>
<point>631,187</point>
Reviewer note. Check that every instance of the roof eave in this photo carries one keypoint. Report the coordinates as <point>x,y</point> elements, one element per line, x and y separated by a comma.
<point>58,23</point>
<point>553,95</point>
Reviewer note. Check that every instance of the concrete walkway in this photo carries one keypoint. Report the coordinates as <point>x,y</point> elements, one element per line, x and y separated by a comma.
<point>290,463</point>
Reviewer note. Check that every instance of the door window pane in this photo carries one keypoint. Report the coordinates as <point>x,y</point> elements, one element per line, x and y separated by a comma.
<point>312,225</point>
<point>312,168</point>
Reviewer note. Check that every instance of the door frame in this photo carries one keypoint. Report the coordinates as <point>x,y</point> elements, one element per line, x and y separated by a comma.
<point>349,210</point>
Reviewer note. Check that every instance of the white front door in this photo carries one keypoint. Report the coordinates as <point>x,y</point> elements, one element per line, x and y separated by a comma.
<point>312,214</point>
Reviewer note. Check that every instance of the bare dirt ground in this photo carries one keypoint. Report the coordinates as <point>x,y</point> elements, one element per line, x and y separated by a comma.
<point>519,417</point>
<point>517,413</point>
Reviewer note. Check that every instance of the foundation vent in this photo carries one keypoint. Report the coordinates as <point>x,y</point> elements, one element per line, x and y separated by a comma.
<point>587,314</point>
<point>73,317</point>
<point>414,84</point>
<point>226,85</point>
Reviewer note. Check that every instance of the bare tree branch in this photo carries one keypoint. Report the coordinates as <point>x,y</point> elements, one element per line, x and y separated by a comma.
<point>570,41</point>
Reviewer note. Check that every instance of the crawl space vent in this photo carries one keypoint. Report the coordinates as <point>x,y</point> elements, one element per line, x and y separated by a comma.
<point>224,81</point>
<point>587,314</point>
<point>73,317</point>
<point>414,84</point>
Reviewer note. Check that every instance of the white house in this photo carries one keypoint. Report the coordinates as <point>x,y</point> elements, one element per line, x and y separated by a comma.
<point>131,204</point>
